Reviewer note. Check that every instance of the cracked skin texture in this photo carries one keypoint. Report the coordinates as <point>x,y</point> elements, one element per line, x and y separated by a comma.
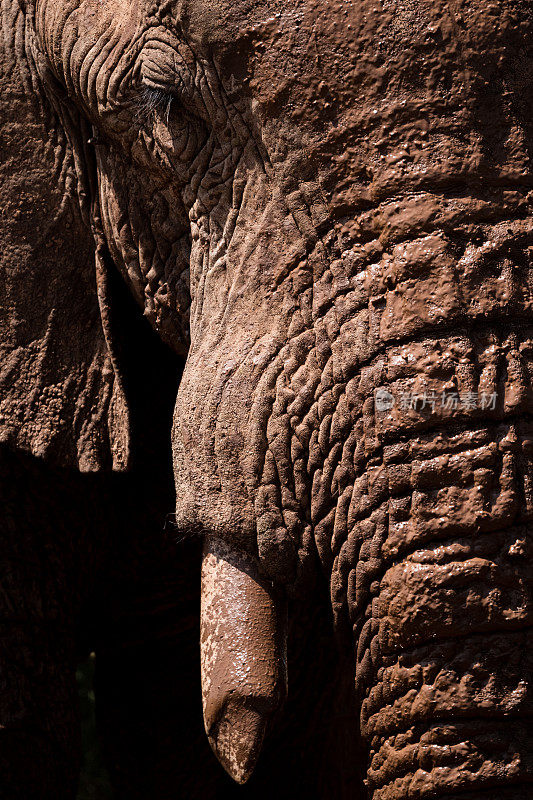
<point>342,191</point>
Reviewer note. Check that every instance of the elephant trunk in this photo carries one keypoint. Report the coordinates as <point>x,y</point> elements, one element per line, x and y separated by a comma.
<point>243,656</point>
<point>391,432</point>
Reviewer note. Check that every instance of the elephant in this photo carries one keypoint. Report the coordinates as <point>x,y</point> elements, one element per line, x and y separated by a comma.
<point>317,218</point>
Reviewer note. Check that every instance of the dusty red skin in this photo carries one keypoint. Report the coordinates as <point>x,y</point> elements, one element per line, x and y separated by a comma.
<point>349,184</point>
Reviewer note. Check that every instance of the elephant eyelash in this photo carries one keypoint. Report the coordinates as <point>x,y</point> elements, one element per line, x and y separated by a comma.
<point>153,100</point>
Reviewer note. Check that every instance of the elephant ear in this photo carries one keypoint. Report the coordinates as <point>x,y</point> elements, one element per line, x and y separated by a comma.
<point>61,397</point>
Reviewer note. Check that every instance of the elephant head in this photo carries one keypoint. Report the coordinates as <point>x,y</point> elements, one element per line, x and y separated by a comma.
<point>326,206</point>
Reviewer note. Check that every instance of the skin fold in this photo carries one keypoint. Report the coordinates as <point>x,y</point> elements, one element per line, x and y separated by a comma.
<point>319,204</point>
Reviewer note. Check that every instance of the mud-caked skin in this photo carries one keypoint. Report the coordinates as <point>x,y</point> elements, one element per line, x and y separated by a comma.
<point>328,207</point>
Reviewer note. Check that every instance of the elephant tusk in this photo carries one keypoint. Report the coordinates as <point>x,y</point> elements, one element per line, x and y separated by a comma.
<point>243,657</point>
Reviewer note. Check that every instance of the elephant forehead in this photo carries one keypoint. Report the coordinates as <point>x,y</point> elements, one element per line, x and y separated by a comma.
<point>316,61</point>
<point>318,33</point>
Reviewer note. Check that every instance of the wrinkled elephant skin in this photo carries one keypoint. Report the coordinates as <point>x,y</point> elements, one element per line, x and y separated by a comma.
<point>328,207</point>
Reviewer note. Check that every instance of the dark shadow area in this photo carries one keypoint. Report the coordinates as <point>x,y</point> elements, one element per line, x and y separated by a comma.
<point>94,778</point>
